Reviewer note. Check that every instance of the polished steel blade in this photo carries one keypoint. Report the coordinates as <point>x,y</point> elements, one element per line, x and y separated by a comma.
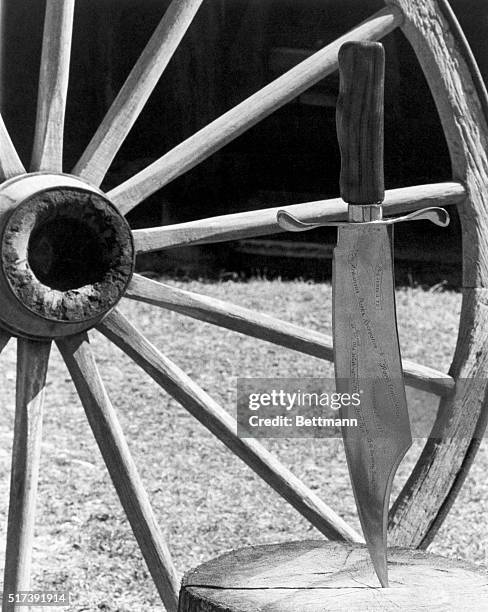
<point>368,362</point>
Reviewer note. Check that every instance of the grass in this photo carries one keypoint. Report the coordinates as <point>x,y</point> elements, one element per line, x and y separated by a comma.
<point>205,499</point>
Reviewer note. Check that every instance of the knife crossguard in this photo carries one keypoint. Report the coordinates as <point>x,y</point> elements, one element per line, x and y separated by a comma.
<point>434,214</point>
<point>366,347</point>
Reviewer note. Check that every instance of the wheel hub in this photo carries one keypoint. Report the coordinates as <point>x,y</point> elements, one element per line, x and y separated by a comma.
<point>66,256</point>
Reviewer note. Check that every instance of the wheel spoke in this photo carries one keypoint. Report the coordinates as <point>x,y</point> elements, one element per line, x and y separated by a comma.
<point>32,363</point>
<point>135,92</point>
<point>263,222</point>
<point>108,433</point>
<point>265,327</point>
<point>122,333</point>
<point>236,121</point>
<point>10,164</point>
<point>53,86</point>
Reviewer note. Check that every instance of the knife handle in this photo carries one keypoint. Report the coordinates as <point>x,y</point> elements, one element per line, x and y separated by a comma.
<point>360,125</point>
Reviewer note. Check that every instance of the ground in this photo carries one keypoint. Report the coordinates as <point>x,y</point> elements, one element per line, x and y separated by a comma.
<point>205,499</point>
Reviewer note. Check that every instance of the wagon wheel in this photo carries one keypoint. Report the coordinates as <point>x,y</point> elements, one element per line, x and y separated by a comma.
<point>52,289</point>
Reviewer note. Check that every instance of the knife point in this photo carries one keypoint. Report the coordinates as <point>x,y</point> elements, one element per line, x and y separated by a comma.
<point>378,556</point>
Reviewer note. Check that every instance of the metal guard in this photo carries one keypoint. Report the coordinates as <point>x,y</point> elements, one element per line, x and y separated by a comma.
<point>434,214</point>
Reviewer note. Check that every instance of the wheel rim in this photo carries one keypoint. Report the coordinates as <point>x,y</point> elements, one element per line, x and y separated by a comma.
<point>460,97</point>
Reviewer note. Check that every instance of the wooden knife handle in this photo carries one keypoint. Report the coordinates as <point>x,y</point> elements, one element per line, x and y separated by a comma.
<point>360,126</point>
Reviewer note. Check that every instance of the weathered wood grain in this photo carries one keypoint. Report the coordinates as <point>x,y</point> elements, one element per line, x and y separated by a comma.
<point>360,122</point>
<point>436,479</point>
<point>212,416</point>
<point>266,327</point>
<point>47,153</point>
<point>130,101</point>
<point>242,117</point>
<point>10,164</point>
<point>314,576</point>
<point>108,433</point>
<point>32,364</point>
<point>263,222</point>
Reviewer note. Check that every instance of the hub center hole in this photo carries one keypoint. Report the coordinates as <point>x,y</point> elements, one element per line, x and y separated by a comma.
<point>67,254</point>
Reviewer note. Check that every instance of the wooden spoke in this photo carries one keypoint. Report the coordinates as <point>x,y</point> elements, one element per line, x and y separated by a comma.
<point>53,86</point>
<point>135,92</point>
<point>78,356</point>
<point>32,363</point>
<point>122,333</point>
<point>428,379</point>
<point>255,108</point>
<point>266,327</point>
<point>10,164</point>
<point>263,222</point>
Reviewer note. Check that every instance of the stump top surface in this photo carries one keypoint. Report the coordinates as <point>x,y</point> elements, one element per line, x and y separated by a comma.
<point>313,576</point>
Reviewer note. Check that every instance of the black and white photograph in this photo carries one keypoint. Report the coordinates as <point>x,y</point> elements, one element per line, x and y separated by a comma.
<point>243,305</point>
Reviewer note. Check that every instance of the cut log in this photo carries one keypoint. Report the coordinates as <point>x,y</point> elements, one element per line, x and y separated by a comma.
<point>314,576</point>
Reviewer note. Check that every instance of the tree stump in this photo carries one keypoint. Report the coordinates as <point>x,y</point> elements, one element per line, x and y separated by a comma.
<point>314,576</point>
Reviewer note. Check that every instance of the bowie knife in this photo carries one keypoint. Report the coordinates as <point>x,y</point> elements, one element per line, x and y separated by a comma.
<point>366,347</point>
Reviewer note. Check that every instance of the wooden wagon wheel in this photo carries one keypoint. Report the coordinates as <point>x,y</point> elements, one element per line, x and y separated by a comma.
<point>52,289</point>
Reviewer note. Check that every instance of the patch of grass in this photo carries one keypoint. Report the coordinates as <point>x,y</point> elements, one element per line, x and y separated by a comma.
<point>206,500</point>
